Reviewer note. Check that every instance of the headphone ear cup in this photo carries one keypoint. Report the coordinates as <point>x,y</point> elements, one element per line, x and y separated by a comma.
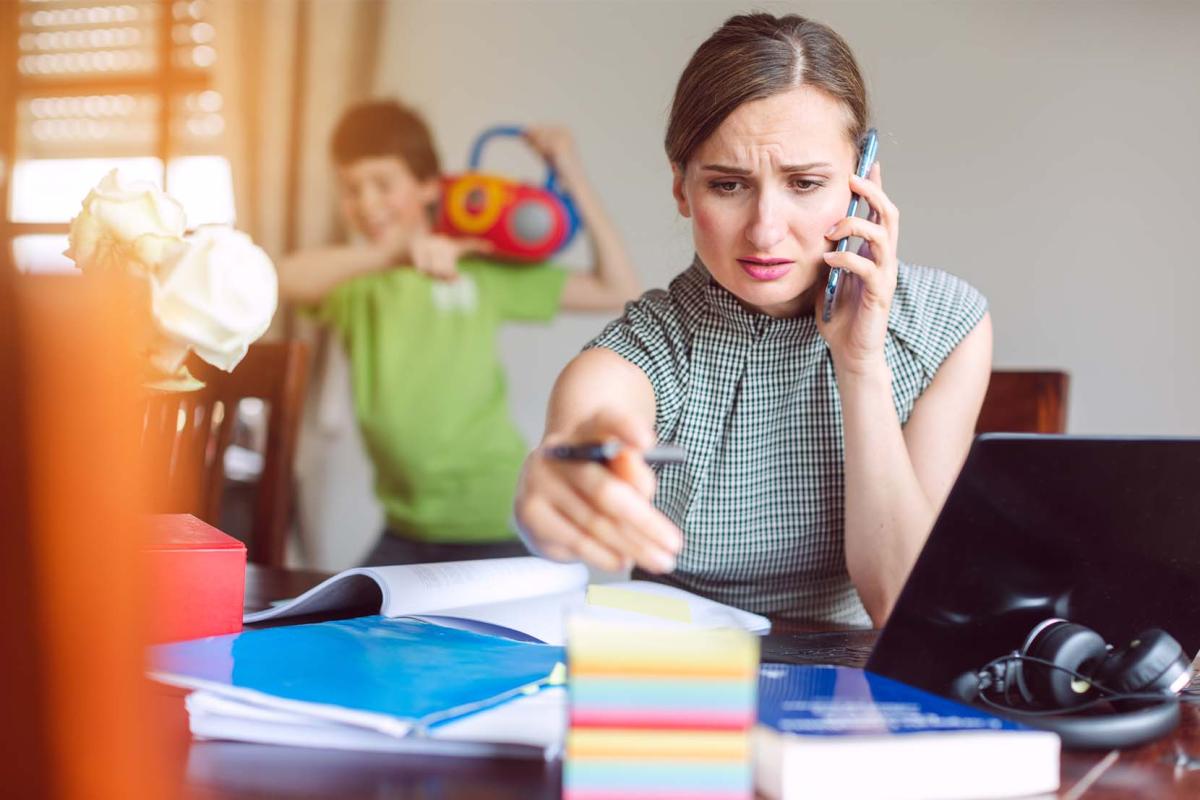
<point>1154,662</point>
<point>1068,646</point>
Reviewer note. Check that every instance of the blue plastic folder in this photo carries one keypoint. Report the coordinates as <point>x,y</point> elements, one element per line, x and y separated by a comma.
<point>369,670</point>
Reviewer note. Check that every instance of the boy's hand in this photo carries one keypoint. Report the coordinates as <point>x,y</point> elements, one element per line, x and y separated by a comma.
<point>437,255</point>
<point>556,144</point>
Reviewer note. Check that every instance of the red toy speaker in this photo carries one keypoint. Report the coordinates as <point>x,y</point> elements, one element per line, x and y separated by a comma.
<point>523,222</point>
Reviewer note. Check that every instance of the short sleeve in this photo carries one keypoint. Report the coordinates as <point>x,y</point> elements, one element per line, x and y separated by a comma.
<point>651,335</point>
<point>932,312</point>
<point>520,292</point>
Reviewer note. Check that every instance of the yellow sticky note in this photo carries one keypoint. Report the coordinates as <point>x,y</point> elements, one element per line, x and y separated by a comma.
<point>652,605</point>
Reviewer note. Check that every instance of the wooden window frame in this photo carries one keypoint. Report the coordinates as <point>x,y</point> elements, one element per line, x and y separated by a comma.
<point>166,82</point>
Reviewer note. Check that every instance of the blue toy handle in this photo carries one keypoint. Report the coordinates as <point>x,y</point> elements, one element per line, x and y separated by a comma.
<point>551,184</point>
<point>515,131</point>
<point>483,138</point>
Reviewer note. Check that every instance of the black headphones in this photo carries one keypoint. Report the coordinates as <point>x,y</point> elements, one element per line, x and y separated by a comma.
<point>1064,667</point>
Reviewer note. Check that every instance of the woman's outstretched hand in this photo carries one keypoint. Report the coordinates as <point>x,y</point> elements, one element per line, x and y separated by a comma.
<point>598,513</point>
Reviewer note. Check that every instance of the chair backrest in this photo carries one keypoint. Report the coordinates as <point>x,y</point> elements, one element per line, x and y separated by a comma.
<point>187,434</point>
<point>1025,402</point>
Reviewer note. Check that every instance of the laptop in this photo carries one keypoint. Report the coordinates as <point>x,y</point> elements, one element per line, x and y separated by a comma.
<point>1103,531</point>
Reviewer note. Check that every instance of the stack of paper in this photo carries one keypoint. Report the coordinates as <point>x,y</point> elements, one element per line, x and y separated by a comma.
<point>370,683</point>
<point>659,712</point>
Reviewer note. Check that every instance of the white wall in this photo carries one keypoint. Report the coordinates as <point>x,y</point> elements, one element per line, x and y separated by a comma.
<point>1045,151</point>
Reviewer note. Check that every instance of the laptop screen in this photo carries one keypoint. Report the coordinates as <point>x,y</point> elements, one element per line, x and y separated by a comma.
<point>1104,532</point>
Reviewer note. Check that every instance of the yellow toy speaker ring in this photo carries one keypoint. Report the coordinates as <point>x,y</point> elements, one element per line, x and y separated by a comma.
<point>474,202</point>
<point>521,222</point>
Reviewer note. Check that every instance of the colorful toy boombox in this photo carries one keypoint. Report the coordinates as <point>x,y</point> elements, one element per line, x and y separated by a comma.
<point>523,223</point>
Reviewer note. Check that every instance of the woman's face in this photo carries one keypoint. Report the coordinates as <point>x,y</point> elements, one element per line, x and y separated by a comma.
<point>762,191</point>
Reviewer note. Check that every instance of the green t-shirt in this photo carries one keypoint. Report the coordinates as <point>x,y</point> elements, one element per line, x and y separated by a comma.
<point>430,392</point>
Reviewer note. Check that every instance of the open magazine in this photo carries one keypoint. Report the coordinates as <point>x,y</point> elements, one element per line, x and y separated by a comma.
<point>525,598</point>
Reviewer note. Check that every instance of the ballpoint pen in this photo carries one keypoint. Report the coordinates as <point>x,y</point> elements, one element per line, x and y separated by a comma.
<point>607,451</point>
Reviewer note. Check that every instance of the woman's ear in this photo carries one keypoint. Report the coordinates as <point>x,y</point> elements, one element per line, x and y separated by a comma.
<point>677,188</point>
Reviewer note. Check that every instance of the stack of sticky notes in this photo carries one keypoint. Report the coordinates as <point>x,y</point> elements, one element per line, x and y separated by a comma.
<point>660,711</point>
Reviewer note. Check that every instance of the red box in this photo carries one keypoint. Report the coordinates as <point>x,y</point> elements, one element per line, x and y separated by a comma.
<point>197,579</point>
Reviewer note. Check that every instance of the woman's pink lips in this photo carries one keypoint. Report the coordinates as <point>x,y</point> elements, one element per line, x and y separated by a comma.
<point>765,269</point>
<point>766,262</point>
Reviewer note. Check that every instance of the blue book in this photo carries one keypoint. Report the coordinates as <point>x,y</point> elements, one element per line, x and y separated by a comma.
<point>842,732</point>
<point>396,676</point>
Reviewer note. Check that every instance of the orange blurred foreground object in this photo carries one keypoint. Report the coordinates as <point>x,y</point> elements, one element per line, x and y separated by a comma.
<point>72,515</point>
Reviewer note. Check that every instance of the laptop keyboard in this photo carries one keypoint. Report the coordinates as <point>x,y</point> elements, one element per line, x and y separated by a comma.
<point>847,656</point>
<point>847,649</point>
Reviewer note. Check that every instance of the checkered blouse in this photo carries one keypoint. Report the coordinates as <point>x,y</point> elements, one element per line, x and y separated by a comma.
<point>755,401</point>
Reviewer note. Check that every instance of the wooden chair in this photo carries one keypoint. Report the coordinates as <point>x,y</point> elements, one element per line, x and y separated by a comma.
<point>186,435</point>
<point>1025,402</point>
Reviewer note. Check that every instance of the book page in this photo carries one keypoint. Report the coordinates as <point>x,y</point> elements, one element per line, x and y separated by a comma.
<point>409,589</point>
<point>541,617</point>
<point>426,588</point>
<point>544,616</point>
<point>529,595</point>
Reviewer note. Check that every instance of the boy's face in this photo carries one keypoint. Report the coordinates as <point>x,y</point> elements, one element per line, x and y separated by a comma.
<point>380,196</point>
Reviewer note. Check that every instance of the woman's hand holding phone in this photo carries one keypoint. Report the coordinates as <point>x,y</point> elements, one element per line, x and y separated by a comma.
<point>857,327</point>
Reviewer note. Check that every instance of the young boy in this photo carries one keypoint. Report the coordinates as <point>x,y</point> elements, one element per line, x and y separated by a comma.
<point>418,314</point>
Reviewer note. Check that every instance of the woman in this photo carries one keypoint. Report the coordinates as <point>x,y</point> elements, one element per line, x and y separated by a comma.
<point>818,452</point>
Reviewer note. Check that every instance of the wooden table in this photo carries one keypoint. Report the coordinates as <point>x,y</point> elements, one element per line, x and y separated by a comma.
<point>238,771</point>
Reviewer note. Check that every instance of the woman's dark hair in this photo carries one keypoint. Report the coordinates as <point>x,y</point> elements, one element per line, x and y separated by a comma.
<point>385,128</point>
<point>753,56</point>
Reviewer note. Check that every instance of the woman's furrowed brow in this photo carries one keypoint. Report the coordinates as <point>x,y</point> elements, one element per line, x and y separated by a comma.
<point>725,169</point>
<point>728,170</point>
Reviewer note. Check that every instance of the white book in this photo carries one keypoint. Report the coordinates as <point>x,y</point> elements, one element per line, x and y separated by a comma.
<point>529,595</point>
<point>847,733</point>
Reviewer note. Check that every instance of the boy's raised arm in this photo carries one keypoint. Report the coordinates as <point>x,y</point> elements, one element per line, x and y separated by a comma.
<point>611,282</point>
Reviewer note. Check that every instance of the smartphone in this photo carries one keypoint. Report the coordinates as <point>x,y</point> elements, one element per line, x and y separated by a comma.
<point>866,157</point>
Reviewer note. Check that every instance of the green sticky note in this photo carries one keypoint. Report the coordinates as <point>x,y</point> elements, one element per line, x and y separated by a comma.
<point>652,605</point>
<point>558,675</point>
